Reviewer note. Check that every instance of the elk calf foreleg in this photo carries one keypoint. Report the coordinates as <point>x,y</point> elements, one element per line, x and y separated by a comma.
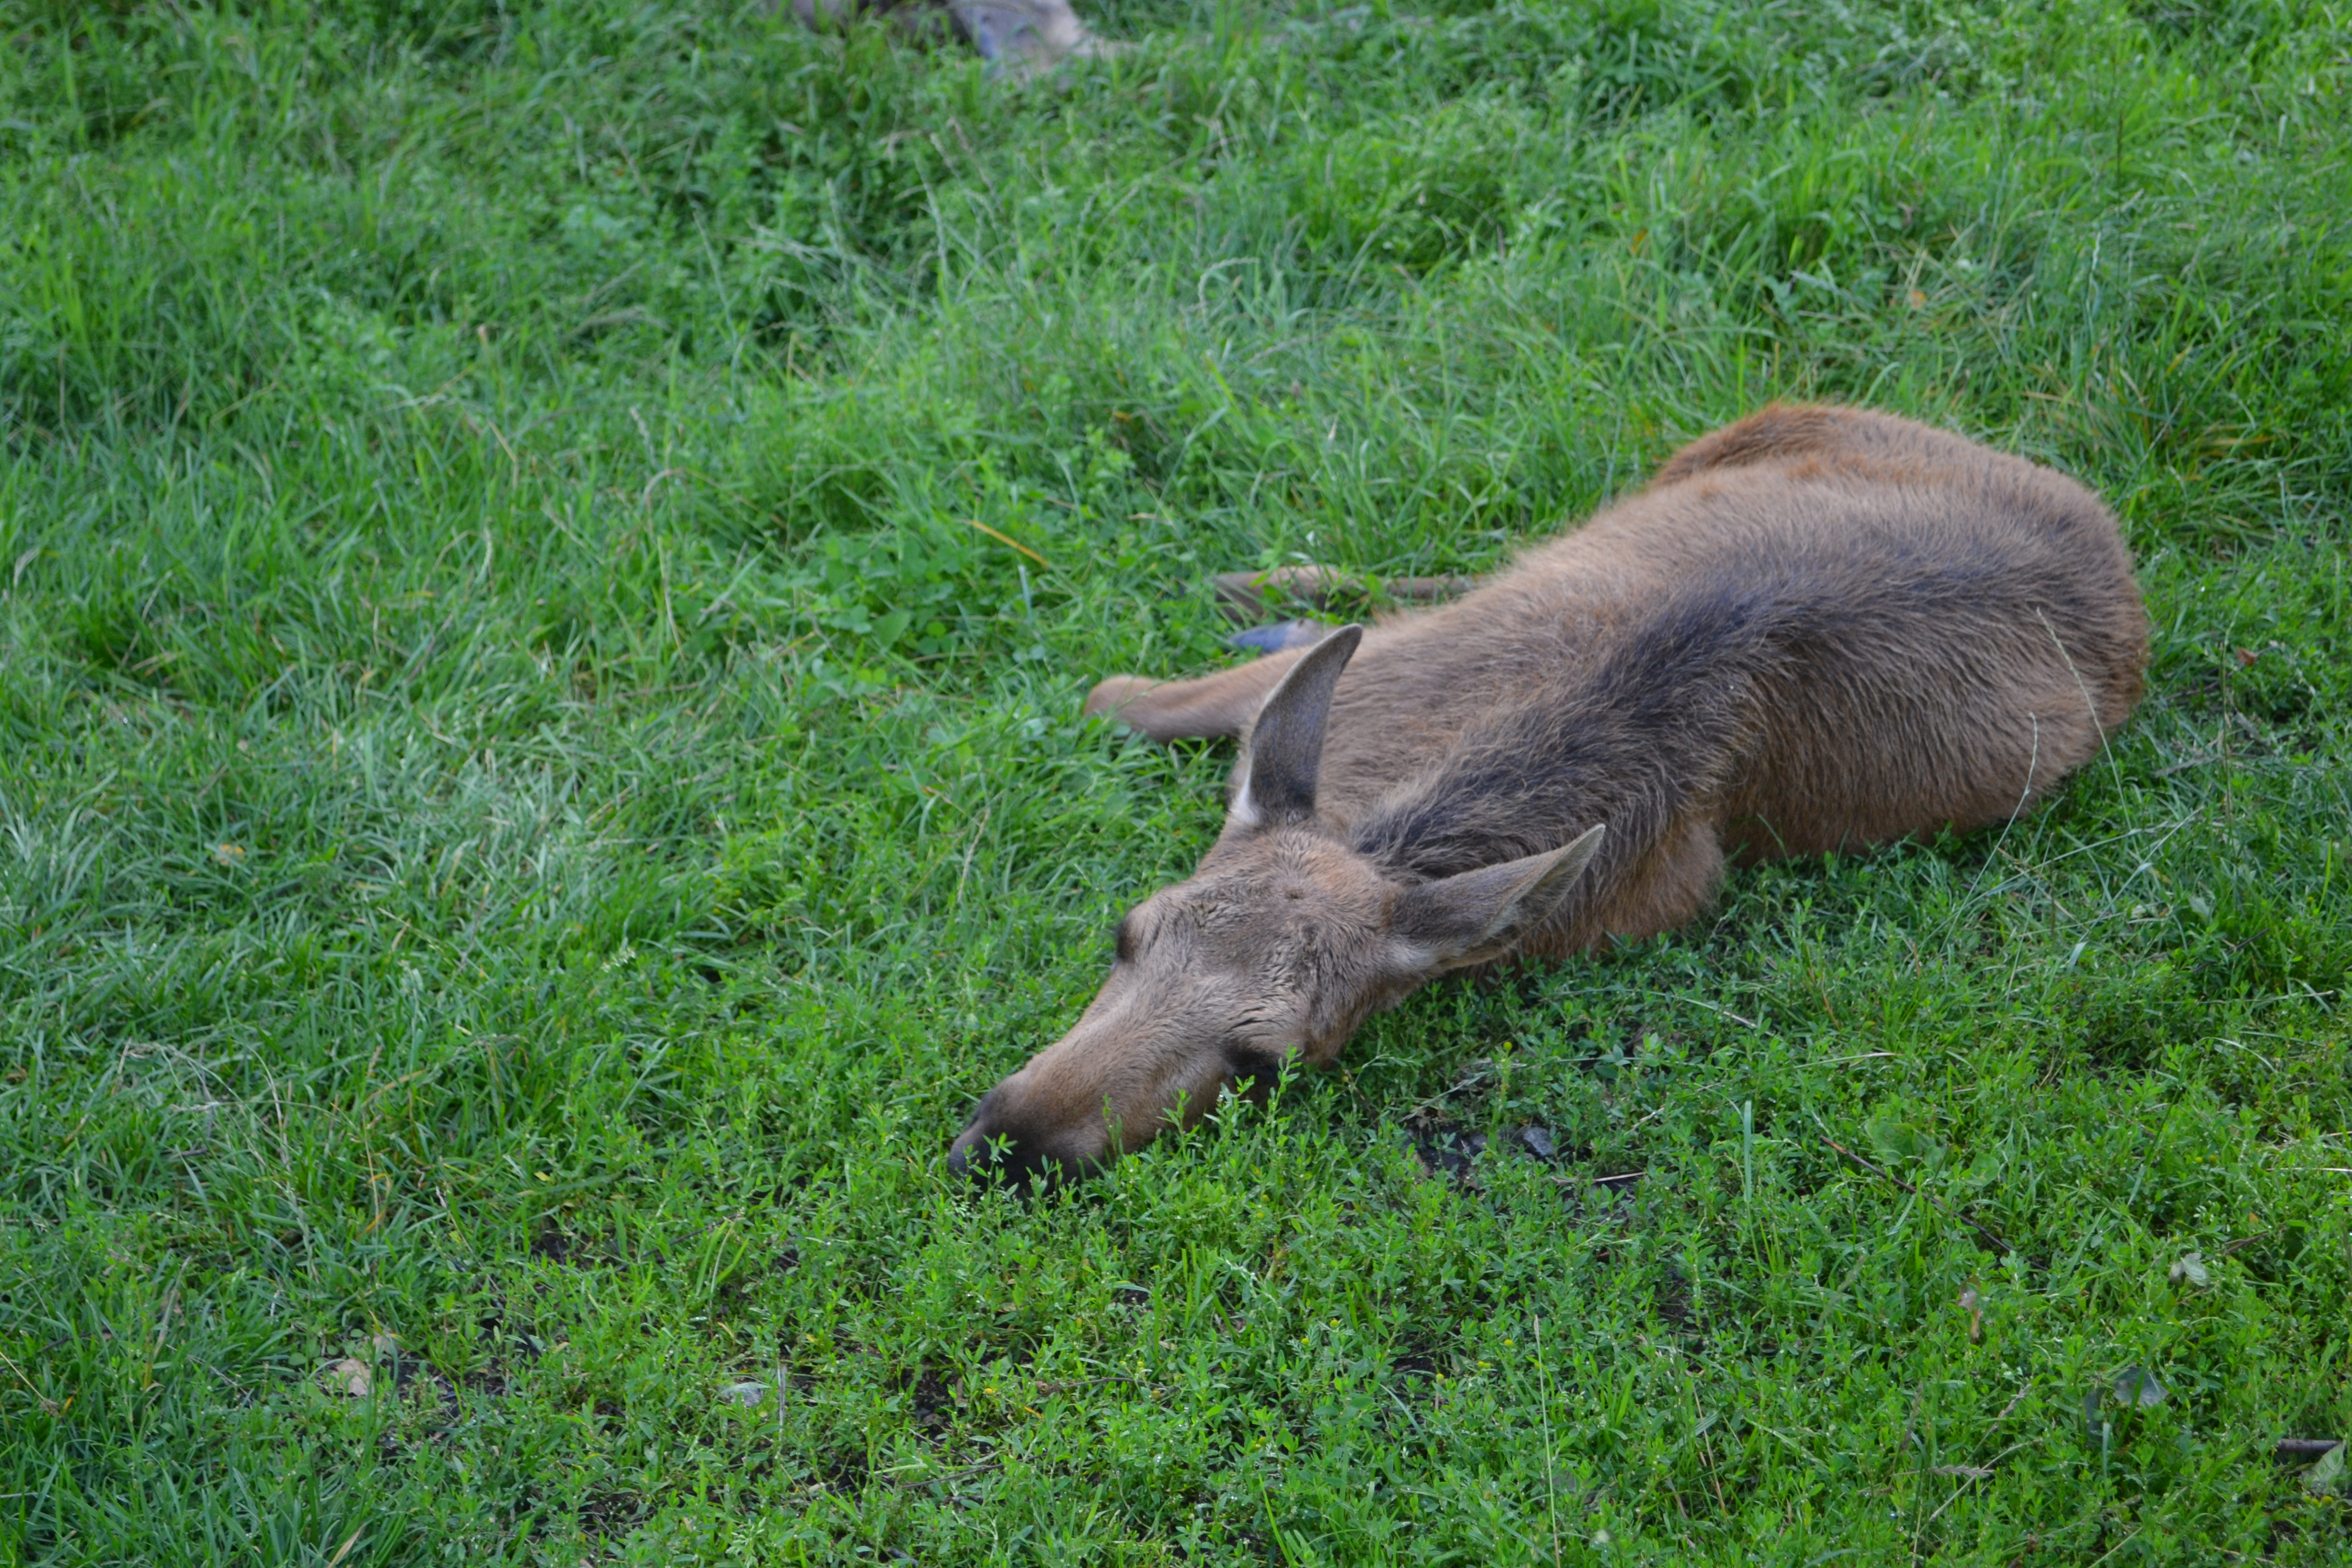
<point>1215,705</point>
<point>1247,596</point>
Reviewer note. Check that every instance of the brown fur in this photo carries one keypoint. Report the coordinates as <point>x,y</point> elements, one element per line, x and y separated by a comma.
<point>1817,629</point>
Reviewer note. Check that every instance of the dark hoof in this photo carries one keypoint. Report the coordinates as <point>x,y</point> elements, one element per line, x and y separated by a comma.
<point>1280,635</point>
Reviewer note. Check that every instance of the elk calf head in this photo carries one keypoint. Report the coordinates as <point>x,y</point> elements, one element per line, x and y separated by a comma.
<point>1276,950</point>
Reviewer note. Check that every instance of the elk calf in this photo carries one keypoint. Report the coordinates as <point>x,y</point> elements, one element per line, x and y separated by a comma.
<point>1817,629</point>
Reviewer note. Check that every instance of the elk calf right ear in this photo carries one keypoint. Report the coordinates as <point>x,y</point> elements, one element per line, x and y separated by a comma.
<point>1481,915</point>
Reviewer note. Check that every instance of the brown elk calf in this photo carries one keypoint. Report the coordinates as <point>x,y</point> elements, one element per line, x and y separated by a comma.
<point>1817,629</point>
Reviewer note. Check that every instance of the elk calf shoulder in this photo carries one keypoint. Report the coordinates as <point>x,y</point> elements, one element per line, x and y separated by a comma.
<point>1817,629</point>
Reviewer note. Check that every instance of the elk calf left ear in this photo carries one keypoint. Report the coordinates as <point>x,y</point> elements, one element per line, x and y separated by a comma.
<point>1285,744</point>
<point>1481,915</point>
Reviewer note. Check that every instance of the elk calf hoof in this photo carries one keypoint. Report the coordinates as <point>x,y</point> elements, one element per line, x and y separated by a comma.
<point>1280,635</point>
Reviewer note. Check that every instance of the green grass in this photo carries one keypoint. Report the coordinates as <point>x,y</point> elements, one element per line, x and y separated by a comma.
<point>528,812</point>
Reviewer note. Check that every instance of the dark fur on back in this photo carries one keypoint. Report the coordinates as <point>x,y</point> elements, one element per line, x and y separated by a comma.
<point>1657,725</point>
<point>1817,629</point>
<point>1671,714</point>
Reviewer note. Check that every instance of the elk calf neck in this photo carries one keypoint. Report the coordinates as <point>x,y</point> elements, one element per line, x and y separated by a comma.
<point>1814,630</point>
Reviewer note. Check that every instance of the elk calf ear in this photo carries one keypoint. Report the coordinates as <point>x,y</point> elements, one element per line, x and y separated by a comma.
<point>1285,744</point>
<point>1481,915</point>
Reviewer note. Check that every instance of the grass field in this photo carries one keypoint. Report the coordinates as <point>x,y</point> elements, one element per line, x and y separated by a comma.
<point>548,558</point>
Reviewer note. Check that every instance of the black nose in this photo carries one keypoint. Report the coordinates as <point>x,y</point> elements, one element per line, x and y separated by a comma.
<point>986,1153</point>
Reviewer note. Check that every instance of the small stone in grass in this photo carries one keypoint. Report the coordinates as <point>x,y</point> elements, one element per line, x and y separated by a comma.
<point>744,1393</point>
<point>351,1377</point>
